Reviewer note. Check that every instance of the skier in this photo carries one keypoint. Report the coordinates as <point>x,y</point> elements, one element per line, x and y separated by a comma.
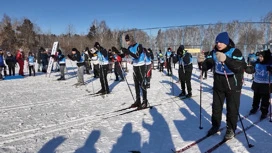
<point>87,60</point>
<point>31,63</point>
<point>251,59</point>
<point>185,71</point>
<point>135,50</point>
<point>260,84</point>
<point>161,61</point>
<point>229,66</point>
<point>62,63</point>
<point>76,56</point>
<point>148,62</point>
<point>117,59</point>
<point>200,59</point>
<point>102,55</point>
<point>95,63</point>
<point>168,57</point>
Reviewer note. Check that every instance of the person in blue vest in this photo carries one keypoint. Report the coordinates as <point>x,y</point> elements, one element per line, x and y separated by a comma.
<point>251,59</point>
<point>31,63</point>
<point>62,63</point>
<point>260,84</point>
<point>229,65</point>
<point>79,58</point>
<point>168,57</point>
<point>161,61</point>
<point>185,71</point>
<point>135,50</point>
<point>103,60</point>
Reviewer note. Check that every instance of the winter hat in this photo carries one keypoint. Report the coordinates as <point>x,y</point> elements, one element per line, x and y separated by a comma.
<point>74,49</point>
<point>97,45</point>
<point>21,50</point>
<point>130,38</point>
<point>8,52</point>
<point>149,49</point>
<point>87,49</point>
<point>169,48</point>
<point>59,51</point>
<point>222,38</point>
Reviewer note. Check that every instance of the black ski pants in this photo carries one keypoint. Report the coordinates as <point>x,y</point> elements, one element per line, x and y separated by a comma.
<point>232,104</point>
<point>139,73</point>
<point>103,71</point>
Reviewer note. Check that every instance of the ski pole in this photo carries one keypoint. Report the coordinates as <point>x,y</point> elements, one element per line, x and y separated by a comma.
<point>249,145</point>
<point>200,105</point>
<point>123,73</point>
<point>270,96</point>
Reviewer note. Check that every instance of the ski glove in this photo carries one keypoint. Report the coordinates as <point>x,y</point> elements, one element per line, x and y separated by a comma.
<point>221,57</point>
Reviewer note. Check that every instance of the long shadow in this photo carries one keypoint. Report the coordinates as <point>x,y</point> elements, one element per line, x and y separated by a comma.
<point>160,139</point>
<point>174,89</point>
<point>89,143</point>
<point>128,142</point>
<point>52,145</point>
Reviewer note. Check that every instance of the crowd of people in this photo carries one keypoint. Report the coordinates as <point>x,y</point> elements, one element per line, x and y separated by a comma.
<point>225,60</point>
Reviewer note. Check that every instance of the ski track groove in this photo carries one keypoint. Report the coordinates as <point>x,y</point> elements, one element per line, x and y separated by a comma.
<point>47,102</point>
<point>17,136</point>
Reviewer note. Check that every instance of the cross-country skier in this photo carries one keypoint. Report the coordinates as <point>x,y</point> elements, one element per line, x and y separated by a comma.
<point>135,50</point>
<point>76,56</point>
<point>168,57</point>
<point>260,84</point>
<point>102,55</point>
<point>62,63</point>
<point>185,71</point>
<point>229,66</point>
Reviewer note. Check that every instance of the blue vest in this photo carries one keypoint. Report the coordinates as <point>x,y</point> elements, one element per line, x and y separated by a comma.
<point>63,60</point>
<point>181,62</point>
<point>102,60</point>
<point>141,59</point>
<point>219,67</point>
<point>168,54</point>
<point>261,74</point>
<point>252,58</point>
<point>31,60</point>
<point>147,60</point>
<point>2,60</point>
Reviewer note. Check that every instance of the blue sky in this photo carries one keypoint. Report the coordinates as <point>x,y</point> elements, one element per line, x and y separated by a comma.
<point>55,15</point>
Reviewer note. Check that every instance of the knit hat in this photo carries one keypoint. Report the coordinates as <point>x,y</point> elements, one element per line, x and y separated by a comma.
<point>222,38</point>
<point>97,45</point>
<point>74,49</point>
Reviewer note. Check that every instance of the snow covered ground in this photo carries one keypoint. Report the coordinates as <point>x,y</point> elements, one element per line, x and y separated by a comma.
<point>40,114</point>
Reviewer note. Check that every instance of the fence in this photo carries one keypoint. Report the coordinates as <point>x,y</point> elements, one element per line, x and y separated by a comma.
<point>248,36</point>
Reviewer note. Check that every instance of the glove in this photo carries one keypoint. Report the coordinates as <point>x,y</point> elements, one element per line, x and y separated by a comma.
<point>221,57</point>
<point>269,68</point>
<point>124,50</point>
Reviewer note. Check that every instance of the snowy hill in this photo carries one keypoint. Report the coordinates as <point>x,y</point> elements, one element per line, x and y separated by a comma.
<point>40,114</point>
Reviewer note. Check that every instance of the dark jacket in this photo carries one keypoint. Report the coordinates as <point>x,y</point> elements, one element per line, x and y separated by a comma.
<point>76,57</point>
<point>11,61</point>
<point>235,65</point>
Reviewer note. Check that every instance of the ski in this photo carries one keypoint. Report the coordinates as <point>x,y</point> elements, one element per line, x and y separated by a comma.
<point>119,110</point>
<point>203,138</point>
<point>226,140</point>
<point>131,111</point>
